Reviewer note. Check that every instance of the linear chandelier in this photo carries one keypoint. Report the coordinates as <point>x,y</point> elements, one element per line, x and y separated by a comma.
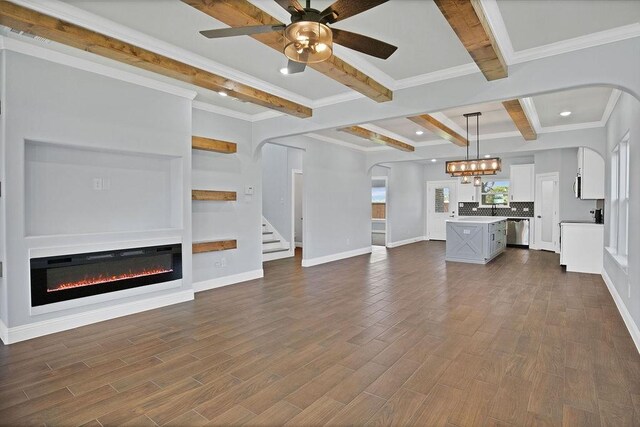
<point>477,167</point>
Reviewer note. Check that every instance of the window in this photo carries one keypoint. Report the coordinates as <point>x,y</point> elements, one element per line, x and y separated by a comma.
<point>378,195</point>
<point>619,217</point>
<point>495,193</point>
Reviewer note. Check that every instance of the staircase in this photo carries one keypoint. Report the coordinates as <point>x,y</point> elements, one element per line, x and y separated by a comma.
<point>273,245</point>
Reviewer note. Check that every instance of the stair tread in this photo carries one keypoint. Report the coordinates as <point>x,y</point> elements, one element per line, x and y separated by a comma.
<point>269,251</point>
<point>270,241</point>
<point>267,232</point>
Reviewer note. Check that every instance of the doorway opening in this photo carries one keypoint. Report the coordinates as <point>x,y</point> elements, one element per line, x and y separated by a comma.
<point>442,205</point>
<point>379,211</point>
<point>297,210</point>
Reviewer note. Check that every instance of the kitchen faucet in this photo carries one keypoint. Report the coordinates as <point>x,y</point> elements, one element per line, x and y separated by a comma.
<point>494,210</point>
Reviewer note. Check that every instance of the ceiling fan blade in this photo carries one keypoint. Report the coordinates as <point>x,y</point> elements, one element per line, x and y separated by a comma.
<point>294,67</point>
<point>343,9</point>
<point>363,44</point>
<point>241,31</point>
<point>288,5</point>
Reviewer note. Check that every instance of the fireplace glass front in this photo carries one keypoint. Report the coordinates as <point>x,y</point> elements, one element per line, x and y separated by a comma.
<point>61,278</point>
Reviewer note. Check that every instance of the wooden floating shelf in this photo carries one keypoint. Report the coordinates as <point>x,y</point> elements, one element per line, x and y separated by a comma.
<point>212,246</point>
<point>225,196</point>
<point>215,145</point>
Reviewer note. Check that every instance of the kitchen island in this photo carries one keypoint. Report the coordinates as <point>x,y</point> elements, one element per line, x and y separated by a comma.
<point>476,239</point>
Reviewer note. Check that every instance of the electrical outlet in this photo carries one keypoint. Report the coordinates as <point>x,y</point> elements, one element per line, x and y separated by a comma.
<point>513,209</point>
<point>223,262</point>
<point>526,209</point>
<point>217,264</point>
<point>97,184</point>
<point>461,205</point>
<point>474,209</point>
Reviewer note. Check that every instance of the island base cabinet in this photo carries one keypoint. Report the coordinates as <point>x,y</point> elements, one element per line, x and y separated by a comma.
<point>476,243</point>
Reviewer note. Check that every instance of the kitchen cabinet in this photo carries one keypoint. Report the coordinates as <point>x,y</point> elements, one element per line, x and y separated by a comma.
<point>581,246</point>
<point>591,173</point>
<point>467,193</point>
<point>522,185</point>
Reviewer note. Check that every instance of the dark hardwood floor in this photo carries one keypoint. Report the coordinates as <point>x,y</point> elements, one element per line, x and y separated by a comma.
<point>395,338</point>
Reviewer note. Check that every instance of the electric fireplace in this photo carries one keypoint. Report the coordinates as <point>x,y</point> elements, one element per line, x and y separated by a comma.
<point>65,277</point>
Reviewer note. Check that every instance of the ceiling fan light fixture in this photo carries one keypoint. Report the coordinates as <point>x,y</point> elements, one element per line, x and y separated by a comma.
<point>308,42</point>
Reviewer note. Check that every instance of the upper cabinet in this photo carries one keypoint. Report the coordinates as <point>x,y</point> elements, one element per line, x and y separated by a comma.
<point>522,183</point>
<point>467,193</point>
<point>591,173</point>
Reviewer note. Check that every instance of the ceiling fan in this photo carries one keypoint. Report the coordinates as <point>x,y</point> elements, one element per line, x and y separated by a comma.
<point>308,38</point>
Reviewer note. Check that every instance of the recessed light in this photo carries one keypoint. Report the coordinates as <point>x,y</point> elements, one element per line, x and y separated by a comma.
<point>486,156</point>
<point>284,70</point>
<point>222,93</point>
<point>433,160</point>
<point>565,113</point>
<point>419,132</point>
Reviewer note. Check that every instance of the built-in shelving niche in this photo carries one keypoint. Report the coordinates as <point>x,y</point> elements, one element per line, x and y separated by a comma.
<point>216,146</point>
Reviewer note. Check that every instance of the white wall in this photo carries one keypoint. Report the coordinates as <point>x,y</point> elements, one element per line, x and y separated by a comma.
<point>61,106</point>
<point>277,163</point>
<point>240,220</point>
<point>625,118</point>
<point>405,202</point>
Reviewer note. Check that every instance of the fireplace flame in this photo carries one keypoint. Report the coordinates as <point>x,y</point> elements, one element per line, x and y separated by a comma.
<point>97,280</point>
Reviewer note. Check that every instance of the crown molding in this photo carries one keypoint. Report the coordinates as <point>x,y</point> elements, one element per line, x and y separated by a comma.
<point>613,101</point>
<point>75,15</point>
<point>339,142</point>
<point>574,126</point>
<point>51,55</point>
<point>530,110</point>
<point>578,43</point>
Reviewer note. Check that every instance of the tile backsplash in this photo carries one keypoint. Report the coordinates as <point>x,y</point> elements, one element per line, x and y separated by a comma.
<point>467,209</point>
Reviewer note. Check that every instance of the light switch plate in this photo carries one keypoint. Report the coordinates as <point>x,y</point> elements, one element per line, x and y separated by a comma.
<point>248,190</point>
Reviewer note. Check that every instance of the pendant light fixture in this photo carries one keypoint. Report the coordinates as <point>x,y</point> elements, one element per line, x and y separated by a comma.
<point>477,167</point>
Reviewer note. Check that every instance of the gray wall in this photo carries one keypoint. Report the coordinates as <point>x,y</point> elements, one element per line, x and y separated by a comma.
<point>238,220</point>
<point>62,106</point>
<point>625,117</point>
<point>405,202</point>
<point>337,198</point>
<point>277,163</point>
<point>565,162</point>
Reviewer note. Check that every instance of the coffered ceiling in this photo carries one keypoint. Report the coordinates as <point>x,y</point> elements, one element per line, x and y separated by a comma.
<point>428,49</point>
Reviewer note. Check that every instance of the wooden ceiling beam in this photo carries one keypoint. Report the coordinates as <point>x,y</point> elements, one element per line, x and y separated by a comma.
<point>377,138</point>
<point>240,13</point>
<point>520,119</point>
<point>468,21</point>
<point>30,21</point>
<point>435,126</point>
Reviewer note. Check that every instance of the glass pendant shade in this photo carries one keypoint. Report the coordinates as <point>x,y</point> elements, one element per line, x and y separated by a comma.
<point>477,181</point>
<point>465,180</point>
<point>308,42</point>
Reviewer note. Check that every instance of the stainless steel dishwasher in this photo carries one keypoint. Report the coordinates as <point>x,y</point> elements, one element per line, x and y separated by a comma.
<point>518,232</point>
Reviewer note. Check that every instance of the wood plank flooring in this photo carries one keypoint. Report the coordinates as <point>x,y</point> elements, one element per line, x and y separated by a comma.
<point>398,337</point>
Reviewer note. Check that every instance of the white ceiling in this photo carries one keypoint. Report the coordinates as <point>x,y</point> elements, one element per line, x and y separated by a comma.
<point>426,44</point>
<point>586,105</point>
<point>533,23</point>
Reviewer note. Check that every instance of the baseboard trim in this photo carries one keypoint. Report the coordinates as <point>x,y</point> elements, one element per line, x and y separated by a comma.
<point>219,282</point>
<point>335,257</point>
<point>406,242</point>
<point>64,323</point>
<point>4,333</point>
<point>622,308</point>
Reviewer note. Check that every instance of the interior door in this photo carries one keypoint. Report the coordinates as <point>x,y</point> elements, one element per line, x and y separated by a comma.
<point>297,209</point>
<point>546,212</point>
<point>441,206</point>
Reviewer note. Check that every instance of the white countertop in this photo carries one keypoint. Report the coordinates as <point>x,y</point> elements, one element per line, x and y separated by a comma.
<point>579,224</point>
<point>478,219</point>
